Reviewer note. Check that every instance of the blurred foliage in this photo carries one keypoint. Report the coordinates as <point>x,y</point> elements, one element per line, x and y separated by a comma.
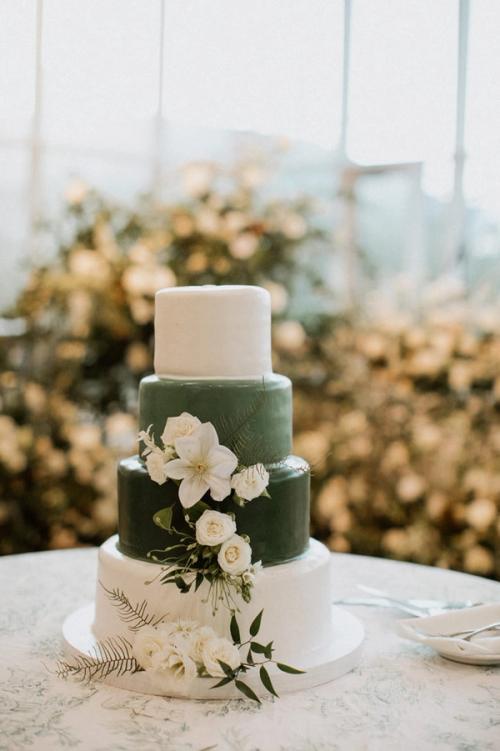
<point>399,419</point>
<point>69,384</point>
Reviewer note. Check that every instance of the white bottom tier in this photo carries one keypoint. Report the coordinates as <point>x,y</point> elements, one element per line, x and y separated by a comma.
<point>339,657</point>
<point>297,616</point>
<point>295,598</point>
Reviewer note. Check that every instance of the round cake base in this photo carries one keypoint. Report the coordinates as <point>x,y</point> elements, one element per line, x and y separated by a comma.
<point>340,657</point>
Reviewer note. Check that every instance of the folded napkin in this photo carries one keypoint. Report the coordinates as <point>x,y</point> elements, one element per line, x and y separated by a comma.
<point>435,631</point>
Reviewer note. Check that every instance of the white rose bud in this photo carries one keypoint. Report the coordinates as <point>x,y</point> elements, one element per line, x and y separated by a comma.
<point>179,427</point>
<point>155,464</point>
<point>250,482</point>
<point>223,650</point>
<point>214,528</point>
<point>235,555</point>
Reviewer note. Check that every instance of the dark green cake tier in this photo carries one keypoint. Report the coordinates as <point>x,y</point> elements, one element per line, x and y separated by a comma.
<point>278,527</point>
<point>252,417</point>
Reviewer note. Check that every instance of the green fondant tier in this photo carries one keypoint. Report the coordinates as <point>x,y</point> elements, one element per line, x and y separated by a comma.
<point>252,417</point>
<point>278,526</point>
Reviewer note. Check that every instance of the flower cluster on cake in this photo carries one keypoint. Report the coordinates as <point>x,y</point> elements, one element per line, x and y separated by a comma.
<point>213,546</point>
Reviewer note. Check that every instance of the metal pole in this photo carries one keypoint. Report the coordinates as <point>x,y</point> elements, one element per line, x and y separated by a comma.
<point>159,124</point>
<point>455,241</point>
<point>36,139</point>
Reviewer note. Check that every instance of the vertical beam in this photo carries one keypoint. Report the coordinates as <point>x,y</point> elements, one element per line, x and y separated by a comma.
<point>159,123</point>
<point>346,72</point>
<point>455,240</point>
<point>36,139</point>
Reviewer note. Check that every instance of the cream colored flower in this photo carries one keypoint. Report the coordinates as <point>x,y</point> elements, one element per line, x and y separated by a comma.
<point>219,649</point>
<point>179,427</point>
<point>198,641</point>
<point>235,555</point>
<point>148,642</point>
<point>156,464</point>
<point>214,528</point>
<point>251,482</point>
<point>203,465</point>
<point>174,658</point>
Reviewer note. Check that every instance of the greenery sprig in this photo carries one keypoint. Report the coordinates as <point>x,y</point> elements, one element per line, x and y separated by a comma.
<point>257,657</point>
<point>134,615</point>
<point>111,656</point>
<point>187,564</point>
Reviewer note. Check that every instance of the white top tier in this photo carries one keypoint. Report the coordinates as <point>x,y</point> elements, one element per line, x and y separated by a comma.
<point>213,332</point>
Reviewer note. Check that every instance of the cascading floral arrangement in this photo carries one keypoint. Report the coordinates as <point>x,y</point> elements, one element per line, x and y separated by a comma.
<point>208,547</point>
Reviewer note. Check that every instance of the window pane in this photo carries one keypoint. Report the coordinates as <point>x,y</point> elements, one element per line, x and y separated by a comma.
<point>101,73</point>
<point>403,80</point>
<point>482,132</point>
<point>270,67</point>
<point>17,67</point>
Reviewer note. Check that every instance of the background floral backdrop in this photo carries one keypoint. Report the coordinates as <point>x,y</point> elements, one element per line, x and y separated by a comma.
<point>396,411</point>
<point>384,280</point>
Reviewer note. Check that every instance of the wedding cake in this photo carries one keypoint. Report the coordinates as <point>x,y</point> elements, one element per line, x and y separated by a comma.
<point>212,587</point>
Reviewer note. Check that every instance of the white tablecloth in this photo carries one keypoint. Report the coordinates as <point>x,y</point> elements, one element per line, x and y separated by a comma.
<point>402,695</point>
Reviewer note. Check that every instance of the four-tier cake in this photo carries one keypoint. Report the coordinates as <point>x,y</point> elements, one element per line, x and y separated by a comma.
<point>212,587</point>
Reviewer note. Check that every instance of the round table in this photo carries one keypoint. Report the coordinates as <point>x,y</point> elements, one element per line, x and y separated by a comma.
<point>402,695</point>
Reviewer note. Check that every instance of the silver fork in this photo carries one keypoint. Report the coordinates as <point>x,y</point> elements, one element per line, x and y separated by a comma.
<point>469,633</point>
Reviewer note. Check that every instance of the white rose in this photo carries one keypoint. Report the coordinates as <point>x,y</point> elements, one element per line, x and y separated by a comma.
<point>250,482</point>
<point>174,658</point>
<point>200,637</point>
<point>149,642</point>
<point>179,427</point>
<point>214,528</point>
<point>235,555</point>
<point>223,650</point>
<point>155,464</point>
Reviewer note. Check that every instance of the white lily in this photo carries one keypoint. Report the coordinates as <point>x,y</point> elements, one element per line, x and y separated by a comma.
<point>203,465</point>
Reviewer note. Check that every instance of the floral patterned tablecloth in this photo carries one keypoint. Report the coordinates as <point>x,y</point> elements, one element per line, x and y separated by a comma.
<point>402,695</point>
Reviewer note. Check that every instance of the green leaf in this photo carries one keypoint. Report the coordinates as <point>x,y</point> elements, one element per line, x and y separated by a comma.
<point>198,581</point>
<point>288,669</point>
<point>227,669</point>
<point>269,650</point>
<point>197,510</point>
<point>163,518</point>
<point>266,681</point>
<point>255,625</point>
<point>247,691</point>
<point>235,631</point>
<point>250,657</point>
<point>260,649</point>
<point>223,682</point>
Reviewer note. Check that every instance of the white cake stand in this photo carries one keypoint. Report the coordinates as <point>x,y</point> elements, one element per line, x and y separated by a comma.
<point>341,656</point>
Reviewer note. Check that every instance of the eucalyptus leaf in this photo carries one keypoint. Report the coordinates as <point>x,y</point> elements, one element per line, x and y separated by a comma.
<point>269,650</point>
<point>247,691</point>
<point>223,682</point>
<point>259,649</point>
<point>163,518</point>
<point>288,669</point>
<point>255,625</point>
<point>266,681</point>
<point>226,668</point>
<point>235,631</point>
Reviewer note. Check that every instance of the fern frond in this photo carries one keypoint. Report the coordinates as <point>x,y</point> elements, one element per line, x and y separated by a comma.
<point>113,655</point>
<point>134,615</point>
<point>234,431</point>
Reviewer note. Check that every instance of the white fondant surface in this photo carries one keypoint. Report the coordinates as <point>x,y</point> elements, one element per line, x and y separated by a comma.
<point>213,331</point>
<point>294,597</point>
